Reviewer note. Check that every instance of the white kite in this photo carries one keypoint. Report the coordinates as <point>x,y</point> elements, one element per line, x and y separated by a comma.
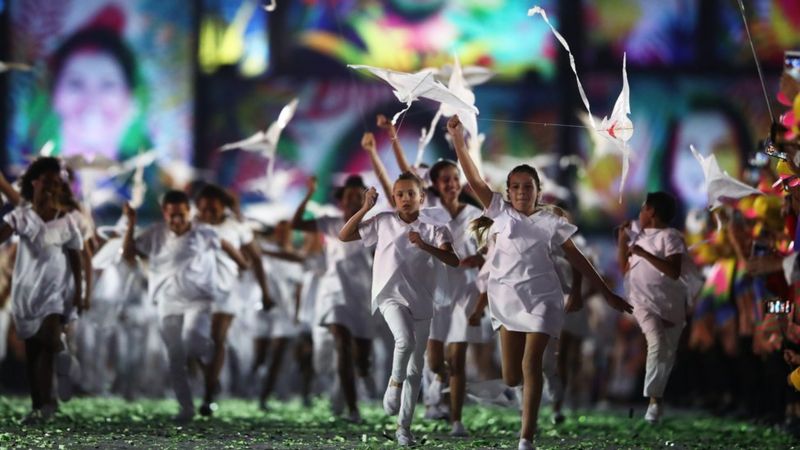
<point>9,66</point>
<point>266,142</point>
<point>271,6</point>
<point>718,184</point>
<point>409,87</point>
<point>617,128</point>
<point>473,75</point>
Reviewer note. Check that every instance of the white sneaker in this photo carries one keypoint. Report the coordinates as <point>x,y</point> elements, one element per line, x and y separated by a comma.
<point>525,444</point>
<point>459,430</point>
<point>653,414</point>
<point>433,395</point>
<point>391,399</point>
<point>404,437</point>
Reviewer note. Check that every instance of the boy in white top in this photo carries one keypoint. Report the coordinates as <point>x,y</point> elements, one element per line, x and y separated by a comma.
<point>184,281</point>
<point>403,285</point>
<point>651,260</point>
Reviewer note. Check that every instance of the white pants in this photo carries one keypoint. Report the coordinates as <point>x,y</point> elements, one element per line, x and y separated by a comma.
<point>410,341</point>
<point>662,344</point>
<point>186,336</point>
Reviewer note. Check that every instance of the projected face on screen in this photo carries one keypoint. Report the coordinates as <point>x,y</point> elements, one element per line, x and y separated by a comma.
<point>94,103</point>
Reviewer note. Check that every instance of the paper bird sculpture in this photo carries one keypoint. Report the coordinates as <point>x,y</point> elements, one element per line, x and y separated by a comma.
<point>266,142</point>
<point>718,184</point>
<point>410,87</point>
<point>617,128</point>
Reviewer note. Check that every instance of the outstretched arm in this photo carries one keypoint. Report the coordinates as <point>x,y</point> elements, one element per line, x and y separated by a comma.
<point>479,187</point>
<point>384,123</point>
<point>368,143</point>
<point>349,231</point>
<point>579,262</point>
<point>297,220</point>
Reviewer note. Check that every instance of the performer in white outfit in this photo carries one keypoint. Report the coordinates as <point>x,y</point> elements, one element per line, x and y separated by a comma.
<point>46,282</point>
<point>184,281</point>
<point>525,296</point>
<point>651,255</point>
<point>211,202</point>
<point>344,292</point>
<point>404,281</point>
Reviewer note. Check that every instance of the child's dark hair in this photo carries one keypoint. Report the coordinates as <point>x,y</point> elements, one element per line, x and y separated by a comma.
<point>437,168</point>
<point>214,192</point>
<point>174,197</point>
<point>409,176</point>
<point>352,181</point>
<point>38,167</point>
<point>526,169</point>
<point>664,205</point>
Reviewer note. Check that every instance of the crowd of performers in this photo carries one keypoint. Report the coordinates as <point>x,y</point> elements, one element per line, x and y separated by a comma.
<point>462,292</point>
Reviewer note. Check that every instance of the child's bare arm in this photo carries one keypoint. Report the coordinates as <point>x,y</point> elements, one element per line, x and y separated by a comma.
<point>252,253</point>
<point>235,255</point>
<point>368,143</point>
<point>623,252</point>
<point>669,266</point>
<point>129,243</point>
<point>475,317</point>
<point>479,187</point>
<point>349,231</point>
<point>402,162</point>
<point>579,262</point>
<point>444,253</point>
<point>5,232</point>
<point>8,190</point>
<point>297,220</point>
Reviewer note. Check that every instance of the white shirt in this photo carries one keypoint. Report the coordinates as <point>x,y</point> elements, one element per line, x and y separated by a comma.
<point>403,273</point>
<point>42,282</point>
<point>648,287</point>
<point>182,270</point>
<point>349,268</point>
<point>522,270</point>
<point>238,235</point>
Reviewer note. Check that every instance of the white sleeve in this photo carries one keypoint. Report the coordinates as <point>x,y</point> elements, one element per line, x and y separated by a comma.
<point>328,226</point>
<point>673,243</point>
<point>368,230</point>
<point>562,230</point>
<point>496,207</point>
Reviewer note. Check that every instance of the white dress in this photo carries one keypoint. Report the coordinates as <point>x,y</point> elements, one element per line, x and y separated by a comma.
<point>313,270</point>
<point>525,293</point>
<point>283,279</point>
<point>42,283</point>
<point>344,290</point>
<point>450,318</point>
<point>403,274</point>
<point>238,235</point>
<point>183,273</point>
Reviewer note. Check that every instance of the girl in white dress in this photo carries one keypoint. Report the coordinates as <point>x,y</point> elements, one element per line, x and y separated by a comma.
<point>46,283</point>
<point>211,202</point>
<point>408,249</point>
<point>525,295</point>
<point>457,300</point>
<point>344,291</point>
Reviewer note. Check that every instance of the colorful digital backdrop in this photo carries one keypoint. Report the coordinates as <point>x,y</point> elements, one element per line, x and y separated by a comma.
<point>208,72</point>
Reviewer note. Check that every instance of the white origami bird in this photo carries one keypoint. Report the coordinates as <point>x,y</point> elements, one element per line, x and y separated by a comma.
<point>409,87</point>
<point>266,142</point>
<point>473,75</point>
<point>8,66</point>
<point>718,184</point>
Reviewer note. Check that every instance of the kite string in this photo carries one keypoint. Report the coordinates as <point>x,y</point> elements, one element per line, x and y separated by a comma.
<point>758,65</point>
<point>353,83</point>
